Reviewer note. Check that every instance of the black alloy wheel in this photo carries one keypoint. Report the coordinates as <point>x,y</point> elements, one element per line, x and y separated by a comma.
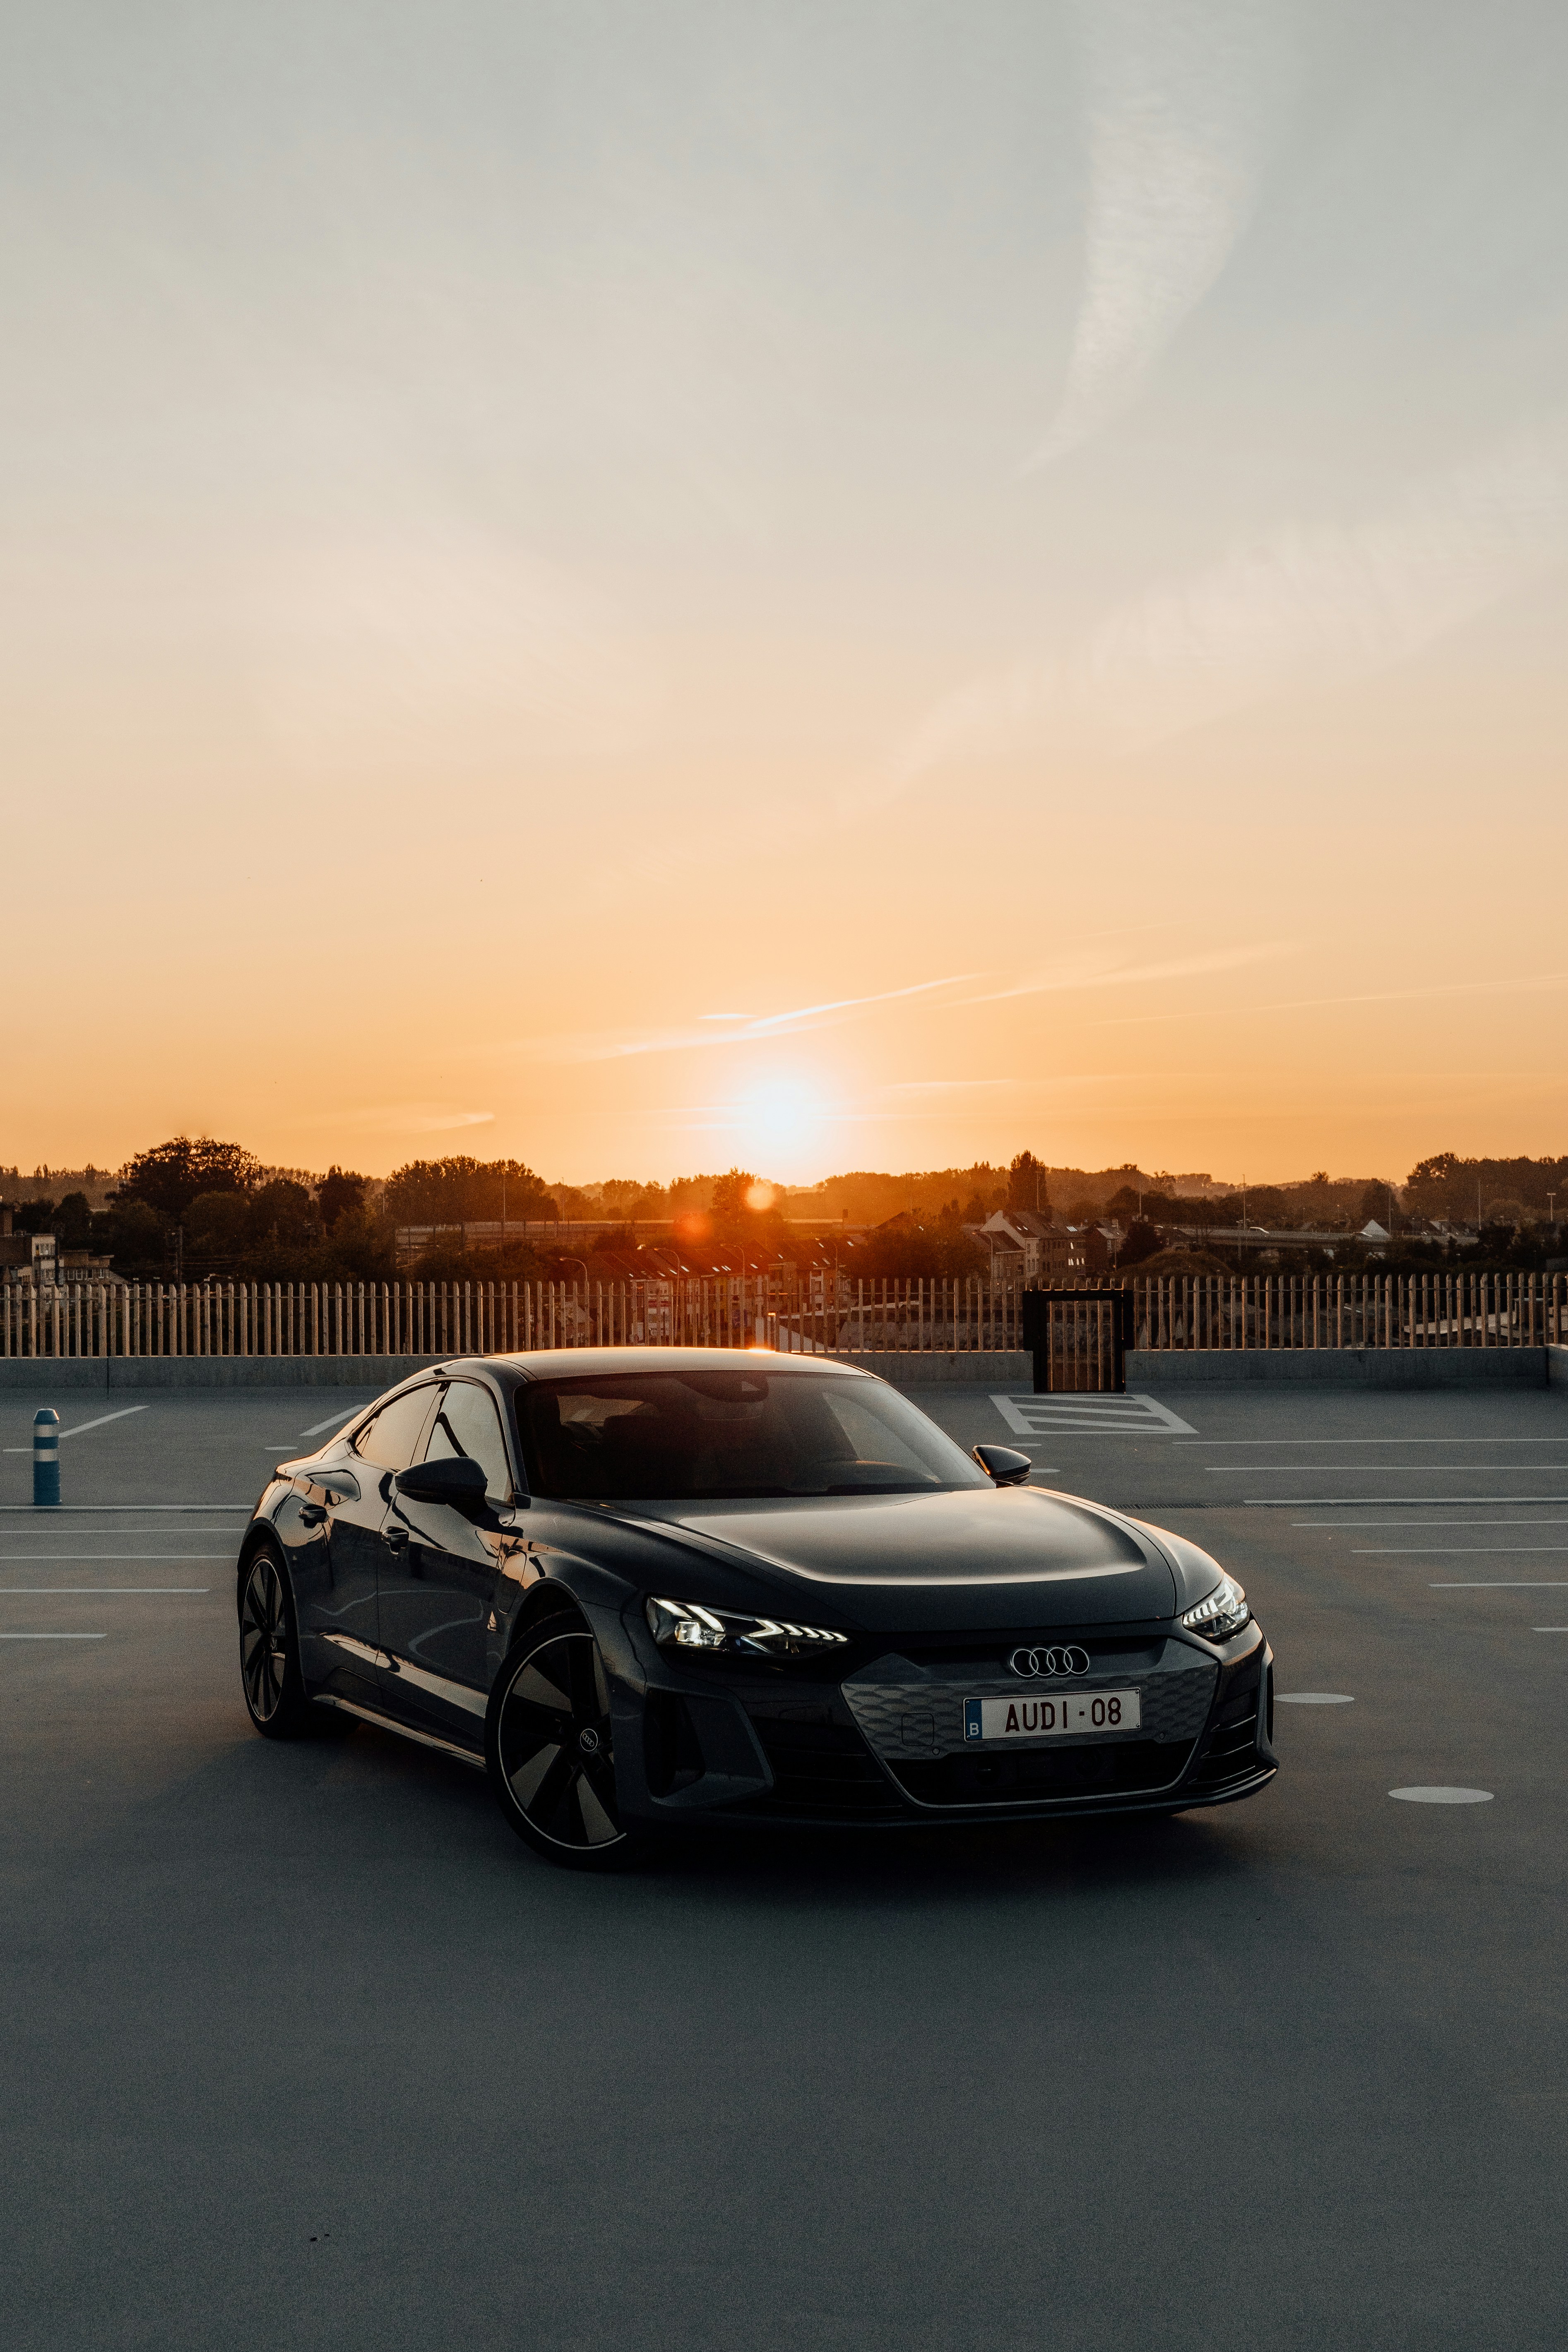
<point>550,1750</point>
<point>268,1655</point>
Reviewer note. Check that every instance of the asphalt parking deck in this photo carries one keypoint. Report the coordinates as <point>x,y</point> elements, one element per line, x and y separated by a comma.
<point>302,2049</point>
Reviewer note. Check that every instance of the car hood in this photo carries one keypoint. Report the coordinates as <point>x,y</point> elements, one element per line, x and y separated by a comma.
<point>980,1557</point>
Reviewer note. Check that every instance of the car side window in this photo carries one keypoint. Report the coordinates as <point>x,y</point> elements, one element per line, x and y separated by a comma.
<point>389,1439</point>
<point>468,1424</point>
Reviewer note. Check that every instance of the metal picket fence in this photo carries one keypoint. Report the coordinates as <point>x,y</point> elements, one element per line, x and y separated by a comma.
<point>451,1319</point>
<point>813,1316</point>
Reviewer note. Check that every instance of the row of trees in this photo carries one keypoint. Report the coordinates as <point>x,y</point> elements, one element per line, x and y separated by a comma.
<point>211,1207</point>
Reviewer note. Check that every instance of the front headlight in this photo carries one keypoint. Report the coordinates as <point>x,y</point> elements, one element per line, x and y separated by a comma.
<point>1224,1613</point>
<point>691,1625</point>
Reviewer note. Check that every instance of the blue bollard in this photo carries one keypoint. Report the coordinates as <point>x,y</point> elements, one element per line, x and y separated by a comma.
<point>45,1455</point>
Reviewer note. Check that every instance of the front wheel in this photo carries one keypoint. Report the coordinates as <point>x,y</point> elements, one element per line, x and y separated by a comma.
<point>550,1753</point>
<point>270,1673</point>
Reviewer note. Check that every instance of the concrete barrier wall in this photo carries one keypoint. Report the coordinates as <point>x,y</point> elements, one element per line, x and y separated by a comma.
<point>1001,1368</point>
<point>1147,1368</point>
<point>1367,1368</point>
<point>99,1374</point>
<point>45,1376</point>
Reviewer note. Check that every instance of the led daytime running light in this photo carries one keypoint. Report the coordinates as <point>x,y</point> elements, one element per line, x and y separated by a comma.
<point>691,1625</point>
<point>1224,1612</point>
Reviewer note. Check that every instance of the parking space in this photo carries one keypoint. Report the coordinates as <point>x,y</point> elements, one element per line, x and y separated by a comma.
<point>303,2049</point>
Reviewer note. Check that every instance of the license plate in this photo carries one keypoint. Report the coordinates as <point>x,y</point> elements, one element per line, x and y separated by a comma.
<point>1066,1713</point>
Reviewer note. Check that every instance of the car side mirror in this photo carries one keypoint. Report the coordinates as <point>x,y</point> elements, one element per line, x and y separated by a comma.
<point>455,1479</point>
<point>1000,1463</point>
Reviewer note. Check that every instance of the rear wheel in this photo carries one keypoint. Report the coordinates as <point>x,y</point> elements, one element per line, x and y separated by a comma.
<point>269,1675</point>
<point>550,1752</point>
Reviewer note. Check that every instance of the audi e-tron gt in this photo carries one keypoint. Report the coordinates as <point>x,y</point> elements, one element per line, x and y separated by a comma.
<point>655,1588</point>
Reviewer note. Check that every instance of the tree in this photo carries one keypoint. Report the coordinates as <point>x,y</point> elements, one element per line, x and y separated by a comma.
<point>216,1225</point>
<point>338,1194</point>
<point>73,1221</point>
<point>1027,1187</point>
<point>1142,1241</point>
<point>172,1175</point>
<point>460,1190</point>
<point>1376,1205</point>
<point>281,1214</point>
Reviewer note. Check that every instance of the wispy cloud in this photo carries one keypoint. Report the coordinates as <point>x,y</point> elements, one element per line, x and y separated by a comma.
<point>1527,984</point>
<point>1308,605</point>
<point>736,1029</point>
<point>1180,102</point>
<point>407,1119</point>
<point>1086,973</point>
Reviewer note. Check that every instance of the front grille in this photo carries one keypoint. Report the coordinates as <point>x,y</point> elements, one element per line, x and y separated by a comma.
<point>821,1768</point>
<point>906,1712</point>
<point>1034,1775</point>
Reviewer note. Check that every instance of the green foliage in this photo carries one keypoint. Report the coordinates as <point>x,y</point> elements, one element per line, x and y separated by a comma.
<point>1026,1184</point>
<point>460,1190</point>
<point>1142,1241</point>
<point>904,1249</point>
<point>217,1225</point>
<point>174,1174</point>
<point>1446,1187</point>
<point>338,1194</point>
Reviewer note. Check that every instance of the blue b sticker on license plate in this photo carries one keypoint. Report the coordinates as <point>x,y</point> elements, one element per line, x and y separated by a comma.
<point>1066,1713</point>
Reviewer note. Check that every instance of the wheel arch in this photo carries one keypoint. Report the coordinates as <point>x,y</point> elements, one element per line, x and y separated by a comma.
<point>260,1535</point>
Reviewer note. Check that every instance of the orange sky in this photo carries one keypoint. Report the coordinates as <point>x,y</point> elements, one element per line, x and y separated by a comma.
<point>1024,570</point>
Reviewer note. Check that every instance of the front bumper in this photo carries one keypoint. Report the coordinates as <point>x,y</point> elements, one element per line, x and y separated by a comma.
<point>884,1747</point>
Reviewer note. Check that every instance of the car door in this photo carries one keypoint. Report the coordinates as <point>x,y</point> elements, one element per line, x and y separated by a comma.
<point>440,1569</point>
<point>346,1611</point>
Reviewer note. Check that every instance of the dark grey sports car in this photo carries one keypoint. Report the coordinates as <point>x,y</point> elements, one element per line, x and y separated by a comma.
<point>662,1587</point>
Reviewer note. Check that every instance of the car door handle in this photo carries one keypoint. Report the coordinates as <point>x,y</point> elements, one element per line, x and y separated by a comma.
<point>313,1513</point>
<point>396,1538</point>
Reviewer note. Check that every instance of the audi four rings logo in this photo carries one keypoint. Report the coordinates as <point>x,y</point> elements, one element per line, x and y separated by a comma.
<point>1050,1662</point>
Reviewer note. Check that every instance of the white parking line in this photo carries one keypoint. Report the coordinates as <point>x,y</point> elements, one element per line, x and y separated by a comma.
<point>1234,1445</point>
<point>117,1588</point>
<point>1409,1527</point>
<point>1434,1551</point>
<point>83,1427</point>
<point>335,1421</point>
<point>1446,1470</point>
<point>1387,1502</point>
<point>1314,1698</point>
<point>85,1558</point>
<point>51,1637</point>
<point>65,1510</point>
<point>1503,1584</point>
<point>1090,1416</point>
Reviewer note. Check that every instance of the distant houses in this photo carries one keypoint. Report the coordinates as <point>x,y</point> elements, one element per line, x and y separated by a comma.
<point>1026,1246</point>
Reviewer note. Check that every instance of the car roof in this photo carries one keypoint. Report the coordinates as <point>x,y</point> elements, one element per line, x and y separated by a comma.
<point>576,1363</point>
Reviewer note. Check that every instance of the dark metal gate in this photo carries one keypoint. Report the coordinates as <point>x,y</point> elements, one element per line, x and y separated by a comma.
<point>1077,1339</point>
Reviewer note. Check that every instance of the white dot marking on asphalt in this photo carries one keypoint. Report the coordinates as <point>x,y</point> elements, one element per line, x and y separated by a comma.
<point>1444,1796</point>
<point>1314,1698</point>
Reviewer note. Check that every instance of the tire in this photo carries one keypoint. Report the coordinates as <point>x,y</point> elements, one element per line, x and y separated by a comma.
<point>550,1751</point>
<point>270,1677</point>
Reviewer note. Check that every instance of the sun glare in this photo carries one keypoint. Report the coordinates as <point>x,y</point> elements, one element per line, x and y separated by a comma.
<point>781,1122</point>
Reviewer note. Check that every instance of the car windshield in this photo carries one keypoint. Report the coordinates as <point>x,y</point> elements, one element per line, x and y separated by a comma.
<point>692,1436</point>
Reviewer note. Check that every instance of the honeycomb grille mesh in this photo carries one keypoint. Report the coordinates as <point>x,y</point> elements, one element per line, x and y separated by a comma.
<point>925,1718</point>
